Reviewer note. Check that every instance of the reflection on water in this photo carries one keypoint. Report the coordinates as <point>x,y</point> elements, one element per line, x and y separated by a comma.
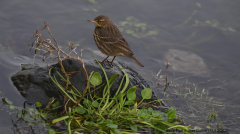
<point>200,39</point>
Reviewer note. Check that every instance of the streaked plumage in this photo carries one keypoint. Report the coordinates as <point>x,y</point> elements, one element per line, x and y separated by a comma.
<point>109,39</point>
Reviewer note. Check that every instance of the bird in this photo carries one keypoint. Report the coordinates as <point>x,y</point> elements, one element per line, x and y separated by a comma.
<point>110,40</point>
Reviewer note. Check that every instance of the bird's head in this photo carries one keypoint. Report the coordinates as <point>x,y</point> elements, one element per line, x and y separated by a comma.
<point>101,21</point>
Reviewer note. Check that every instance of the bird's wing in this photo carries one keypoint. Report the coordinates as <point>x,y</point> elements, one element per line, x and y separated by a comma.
<point>112,39</point>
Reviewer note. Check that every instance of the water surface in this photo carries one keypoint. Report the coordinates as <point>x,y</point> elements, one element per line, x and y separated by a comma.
<point>200,39</point>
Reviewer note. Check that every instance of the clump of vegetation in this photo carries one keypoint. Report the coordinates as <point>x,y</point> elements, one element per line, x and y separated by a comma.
<point>137,29</point>
<point>212,23</point>
<point>102,114</point>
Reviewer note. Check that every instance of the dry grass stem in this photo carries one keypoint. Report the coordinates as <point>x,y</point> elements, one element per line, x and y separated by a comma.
<point>47,49</point>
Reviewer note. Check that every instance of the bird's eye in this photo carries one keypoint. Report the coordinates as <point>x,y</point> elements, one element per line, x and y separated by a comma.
<point>99,22</point>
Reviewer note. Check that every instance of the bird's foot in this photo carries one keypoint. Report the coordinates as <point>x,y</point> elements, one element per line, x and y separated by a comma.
<point>110,63</point>
<point>104,63</point>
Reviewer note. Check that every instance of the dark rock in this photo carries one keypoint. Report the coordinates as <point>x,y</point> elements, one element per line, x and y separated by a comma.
<point>35,84</point>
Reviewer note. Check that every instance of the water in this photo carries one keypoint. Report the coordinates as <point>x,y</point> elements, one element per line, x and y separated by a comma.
<point>199,38</point>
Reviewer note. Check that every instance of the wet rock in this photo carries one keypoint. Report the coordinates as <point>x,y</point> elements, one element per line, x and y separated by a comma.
<point>35,84</point>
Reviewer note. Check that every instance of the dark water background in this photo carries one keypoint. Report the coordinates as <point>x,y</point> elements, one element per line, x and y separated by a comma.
<point>201,40</point>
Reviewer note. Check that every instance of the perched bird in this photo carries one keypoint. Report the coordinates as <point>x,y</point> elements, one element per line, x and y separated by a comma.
<point>110,40</point>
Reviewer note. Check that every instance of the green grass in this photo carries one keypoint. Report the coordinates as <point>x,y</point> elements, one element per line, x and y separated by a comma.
<point>120,114</point>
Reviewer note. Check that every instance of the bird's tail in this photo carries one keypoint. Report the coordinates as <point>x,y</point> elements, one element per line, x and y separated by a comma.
<point>140,64</point>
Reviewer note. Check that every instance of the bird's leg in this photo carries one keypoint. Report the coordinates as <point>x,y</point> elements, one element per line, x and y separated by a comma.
<point>111,61</point>
<point>104,61</point>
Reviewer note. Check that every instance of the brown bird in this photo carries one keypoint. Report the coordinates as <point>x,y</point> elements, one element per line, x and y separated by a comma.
<point>110,40</point>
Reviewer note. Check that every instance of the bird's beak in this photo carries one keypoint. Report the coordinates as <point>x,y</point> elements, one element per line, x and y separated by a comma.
<point>92,21</point>
<point>96,24</point>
